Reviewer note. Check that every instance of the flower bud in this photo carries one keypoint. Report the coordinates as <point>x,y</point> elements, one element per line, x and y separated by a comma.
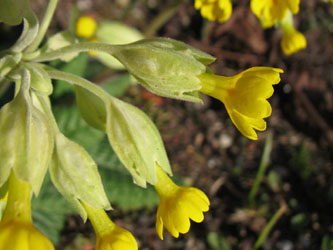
<point>165,67</point>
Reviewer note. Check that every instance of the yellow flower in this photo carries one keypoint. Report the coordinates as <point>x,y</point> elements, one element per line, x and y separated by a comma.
<point>244,96</point>
<point>177,205</point>
<point>214,10</point>
<point>108,235</point>
<point>117,239</point>
<point>271,11</point>
<point>86,27</point>
<point>292,42</point>
<point>16,229</point>
<point>18,235</point>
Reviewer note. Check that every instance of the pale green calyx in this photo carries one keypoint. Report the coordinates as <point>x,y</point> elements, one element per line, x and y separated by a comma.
<point>131,133</point>
<point>136,141</point>
<point>24,128</point>
<point>75,175</point>
<point>166,67</point>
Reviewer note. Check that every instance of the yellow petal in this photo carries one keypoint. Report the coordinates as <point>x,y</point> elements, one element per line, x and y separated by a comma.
<point>293,6</point>
<point>243,124</point>
<point>293,42</point>
<point>159,225</point>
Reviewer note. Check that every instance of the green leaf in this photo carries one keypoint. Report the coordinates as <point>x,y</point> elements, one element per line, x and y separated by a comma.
<point>49,211</point>
<point>77,66</point>
<point>74,127</point>
<point>327,243</point>
<point>217,242</point>
<point>58,41</point>
<point>12,12</point>
<point>26,139</point>
<point>136,141</point>
<point>301,161</point>
<point>121,191</point>
<point>75,175</point>
<point>92,108</point>
<point>30,29</point>
<point>117,87</point>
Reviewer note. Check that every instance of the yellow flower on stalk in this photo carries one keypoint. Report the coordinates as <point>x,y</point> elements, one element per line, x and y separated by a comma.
<point>292,40</point>
<point>177,205</point>
<point>271,11</point>
<point>17,235</point>
<point>244,96</point>
<point>214,10</point>
<point>86,27</point>
<point>109,236</point>
<point>16,229</point>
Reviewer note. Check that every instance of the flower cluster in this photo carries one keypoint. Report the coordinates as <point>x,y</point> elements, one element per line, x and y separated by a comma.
<point>269,12</point>
<point>280,12</point>
<point>32,144</point>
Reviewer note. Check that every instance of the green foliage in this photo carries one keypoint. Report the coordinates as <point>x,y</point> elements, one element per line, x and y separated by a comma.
<point>121,190</point>
<point>58,41</point>
<point>76,66</point>
<point>12,12</point>
<point>217,242</point>
<point>117,87</point>
<point>274,180</point>
<point>327,243</point>
<point>299,220</point>
<point>301,161</point>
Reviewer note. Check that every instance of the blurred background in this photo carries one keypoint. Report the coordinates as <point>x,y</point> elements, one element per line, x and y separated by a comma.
<point>291,163</point>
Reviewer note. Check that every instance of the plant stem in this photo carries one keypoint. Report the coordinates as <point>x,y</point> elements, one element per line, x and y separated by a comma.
<point>76,80</point>
<point>263,235</point>
<point>74,48</point>
<point>44,25</point>
<point>262,168</point>
<point>99,219</point>
<point>163,17</point>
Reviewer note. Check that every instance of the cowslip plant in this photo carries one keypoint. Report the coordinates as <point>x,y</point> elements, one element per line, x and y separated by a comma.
<point>32,144</point>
